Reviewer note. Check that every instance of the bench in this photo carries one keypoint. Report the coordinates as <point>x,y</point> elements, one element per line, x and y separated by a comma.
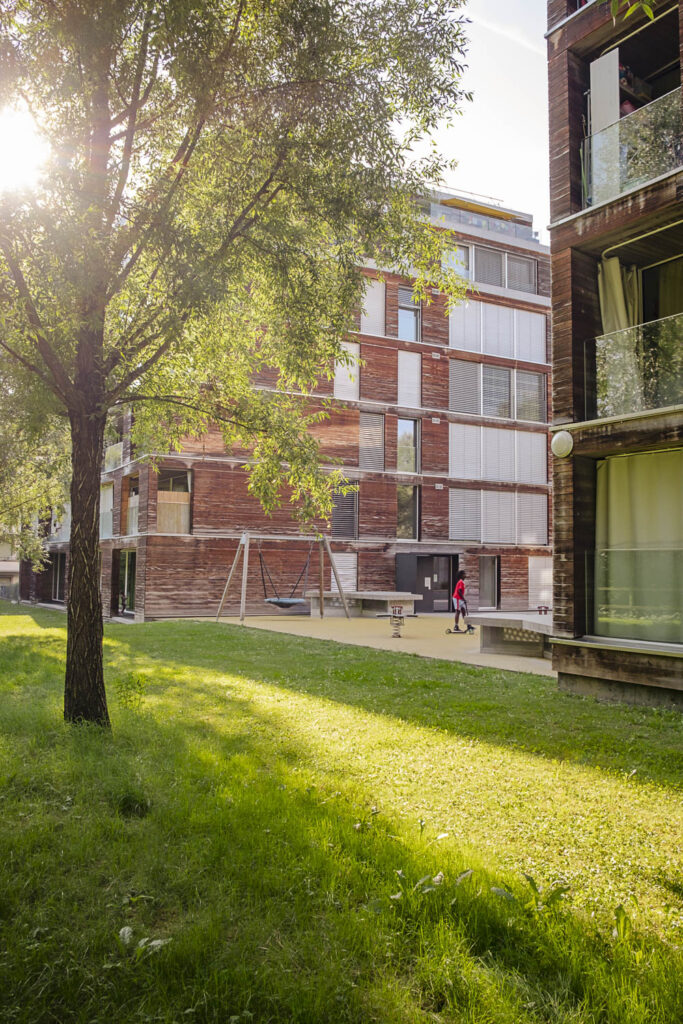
<point>521,632</point>
<point>367,603</point>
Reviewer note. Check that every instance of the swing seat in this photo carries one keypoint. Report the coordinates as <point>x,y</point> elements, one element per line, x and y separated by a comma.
<point>284,602</point>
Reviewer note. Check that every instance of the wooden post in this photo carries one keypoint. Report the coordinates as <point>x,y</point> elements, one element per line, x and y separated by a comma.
<point>245,570</point>
<point>336,576</point>
<point>321,562</point>
<point>230,575</point>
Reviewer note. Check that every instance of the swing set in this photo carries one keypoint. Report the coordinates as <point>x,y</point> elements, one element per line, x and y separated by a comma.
<point>278,601</point>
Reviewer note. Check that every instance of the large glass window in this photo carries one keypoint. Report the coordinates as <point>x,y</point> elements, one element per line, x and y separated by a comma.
<point>408,512</point>
<point>408,446</point>
<point>531,396</point>
<point>408,316</point>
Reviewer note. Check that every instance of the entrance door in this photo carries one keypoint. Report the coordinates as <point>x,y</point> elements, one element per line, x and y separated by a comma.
<point>58,576</point>
<point>435,574</point>
<point>127,581</point>
<point>488,581</point>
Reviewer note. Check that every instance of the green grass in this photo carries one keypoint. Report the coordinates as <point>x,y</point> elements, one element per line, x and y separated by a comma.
<point>269,805</point>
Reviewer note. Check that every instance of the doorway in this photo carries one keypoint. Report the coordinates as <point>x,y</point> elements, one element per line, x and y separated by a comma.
<point>434,580</point>
<point>127,566</point>
<point>489,582</point>
<point>58,576</point>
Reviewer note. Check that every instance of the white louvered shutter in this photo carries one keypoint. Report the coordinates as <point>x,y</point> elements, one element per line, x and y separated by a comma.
<point>540,581</point>
<point>345,515</point>
<point>464,327</point>
<point>498,454</point>
<point>347,567</point>
<point>372,312</point>
<point>496,396</point>
<point>532,458</point>
<point>347,378</point>
<point>371,442</point>
<point>532,519</point>
<point>498,328</point>
<point>498,517</point>
<point>410,379</point>
<point>464,387</point>
<point>521,276</point>
<point>531,391</point>
<point>530,331</point>
<point>488,266</point>
<point>464,514</point>
<point>464,451</point>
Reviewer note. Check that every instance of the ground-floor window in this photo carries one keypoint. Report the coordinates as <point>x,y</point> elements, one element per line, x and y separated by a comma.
<point>408,512</point>
<point>127,566</point>
<point>489,577</point>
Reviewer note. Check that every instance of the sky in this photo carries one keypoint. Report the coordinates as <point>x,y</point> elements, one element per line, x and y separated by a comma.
<point>501,140</point>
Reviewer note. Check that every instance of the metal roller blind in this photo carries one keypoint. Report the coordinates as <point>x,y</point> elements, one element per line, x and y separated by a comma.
<point>372,312</point>
<point>488,266</point>
<point>530,331</point>
<point>464,327</point>
<point>532,458</point>
<point>496,397</point>
<point>540,581</point>
<point>371,446</point>
<point>532,519</point>
<point>498,330</point>
<point>464,387</point>
<point>521,273</point>
<point>410,379</point>
<point>464,514</point>
<point>345,515</point>
<point>498,454</point>
<point>347,567</point>
<point>531,391</point>
<point>347,378</point>
<point>498,517</point>
<point>464,451</point>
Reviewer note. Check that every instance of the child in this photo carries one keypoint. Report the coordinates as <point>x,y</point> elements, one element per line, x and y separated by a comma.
<point>460,605</point>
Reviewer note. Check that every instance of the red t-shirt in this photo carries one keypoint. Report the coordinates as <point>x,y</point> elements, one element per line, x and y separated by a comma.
<point>459,591</point>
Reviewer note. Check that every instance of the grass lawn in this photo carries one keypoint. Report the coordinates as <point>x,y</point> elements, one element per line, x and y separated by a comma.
<point>301,831</point>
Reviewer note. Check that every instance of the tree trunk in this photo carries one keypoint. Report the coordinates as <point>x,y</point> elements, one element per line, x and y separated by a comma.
<point>85,699</point>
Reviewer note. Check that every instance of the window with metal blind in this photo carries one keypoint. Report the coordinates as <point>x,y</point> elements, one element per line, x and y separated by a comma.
<point>345,515</point>
<point>408,316</point>
<point>347,567</point>
<point>532,519</point>
<point>531,390</point>
<point>498,330</point>
<point>347,376</point>
<point>498,454</point>
<point>371,442</point>
<point>372,318</point>
<point>521,273</point>
<point>464,451</point>
<point>489,266</point>
<point>407,512</point>
<point>540,580</point>
<point>496,392</point>
<point>498,517</point>
<point>464,387</point>
<point>458,259</point>
<point>410,379</point>
<point>530,331</point>
<point>408,447</point>
<point>464,326</point>
<point>464,514</point>
<point>532,458</point>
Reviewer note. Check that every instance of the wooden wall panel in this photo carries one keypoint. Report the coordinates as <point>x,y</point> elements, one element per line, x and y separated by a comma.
<point>377,508</point>
<point>434,518</point>
<point>379,374</point>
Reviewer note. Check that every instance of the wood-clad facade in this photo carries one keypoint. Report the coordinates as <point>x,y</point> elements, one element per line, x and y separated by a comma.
<point>616,185</point>
<point>423,508</point>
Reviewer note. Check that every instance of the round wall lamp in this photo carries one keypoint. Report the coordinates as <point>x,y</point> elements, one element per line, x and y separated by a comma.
<point>562,444</point>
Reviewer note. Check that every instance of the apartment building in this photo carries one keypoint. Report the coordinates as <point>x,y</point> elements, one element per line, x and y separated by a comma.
<point>616,171</point>
<point>441,422</point>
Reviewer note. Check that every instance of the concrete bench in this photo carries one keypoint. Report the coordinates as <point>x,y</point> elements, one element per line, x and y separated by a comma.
<point>367,603</point>
<point>523,632</point>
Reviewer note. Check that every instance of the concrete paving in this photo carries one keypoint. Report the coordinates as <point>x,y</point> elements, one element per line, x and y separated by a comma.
<point>424,635</point>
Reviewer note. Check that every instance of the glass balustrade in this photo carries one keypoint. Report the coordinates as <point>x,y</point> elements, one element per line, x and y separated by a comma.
<point>634,150</point>
<point>635,370</point>
<point>635,594</point>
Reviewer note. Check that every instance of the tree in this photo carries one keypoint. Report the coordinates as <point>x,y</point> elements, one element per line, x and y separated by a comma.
<point>220,171</point>
<point>629,7</point>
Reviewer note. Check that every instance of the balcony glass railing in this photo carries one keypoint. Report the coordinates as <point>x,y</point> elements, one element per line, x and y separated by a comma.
<point>113,456</point>
<point>635,594</point>
<point>635,370</point>
<point>132,515</point>
<point>173,512</point>
<point>641,146</point>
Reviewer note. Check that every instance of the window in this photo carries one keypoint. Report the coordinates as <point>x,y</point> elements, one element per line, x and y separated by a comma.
<point>530,330</point>
<point>498,517</point>
<point>372,313</point>
<point>464,514</point>
<point>464,451</point>
<point>408,316</point>
<point>498,331</point>
<point>532,519</point>
<point>173,501</point>
<point>407,512</point>
<point>498,454</point>
<point>459,261</point>
<point>464,326</point>
<point>345,515</point>
<point>521,273</point>
<point>531,396</point>
<point>532,457</point>
<point>504,270</point>
<point>347,567</point>
<point>347,376</point>
<point>496,392</point>
<point>540,580</point>
<point>407,452</point>
<point>410,379</point>
<point>173,480</point>
<point>58,576</point>
<point>464,380</point>
<point>371,446</point>
<point>489,266</point>
<point>132,505</point>
<point>106,511</point>
<point>492,453</point>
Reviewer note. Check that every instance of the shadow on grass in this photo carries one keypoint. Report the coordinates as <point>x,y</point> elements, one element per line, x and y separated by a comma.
<point>280,893</point>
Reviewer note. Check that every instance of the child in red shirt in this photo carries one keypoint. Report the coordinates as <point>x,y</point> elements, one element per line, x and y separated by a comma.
<point>460,605</point>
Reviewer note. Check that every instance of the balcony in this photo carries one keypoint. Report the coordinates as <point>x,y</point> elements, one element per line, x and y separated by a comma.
<point>132,514</point>
<point>635,370</point>
<point>638,148</point>
<point>113,456</point>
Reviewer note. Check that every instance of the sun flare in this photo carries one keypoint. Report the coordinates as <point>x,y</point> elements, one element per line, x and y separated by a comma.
<point>22,151</point>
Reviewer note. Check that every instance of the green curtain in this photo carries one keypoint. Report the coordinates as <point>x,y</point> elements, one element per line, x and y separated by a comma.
<point>638,582</point>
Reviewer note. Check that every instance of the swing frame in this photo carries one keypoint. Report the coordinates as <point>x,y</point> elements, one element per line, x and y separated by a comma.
<point>243,552</point>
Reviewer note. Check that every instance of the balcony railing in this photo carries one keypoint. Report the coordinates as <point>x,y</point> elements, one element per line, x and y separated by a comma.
<point>113,456</point>
<point>634,150</point>
<point>173,512</point>
<point>132,516</point>
<point>635,594</point>
<point>635,370</point>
